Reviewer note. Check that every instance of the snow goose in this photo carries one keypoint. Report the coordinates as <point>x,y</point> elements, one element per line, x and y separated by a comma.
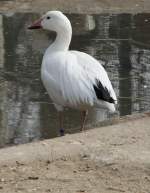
<point>72,78</point>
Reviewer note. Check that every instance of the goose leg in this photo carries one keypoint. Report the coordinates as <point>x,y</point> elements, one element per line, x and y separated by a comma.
<point>84,116</point>
<point>61,130</point>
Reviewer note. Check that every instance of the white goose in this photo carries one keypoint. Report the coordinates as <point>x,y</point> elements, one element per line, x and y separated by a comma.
<point>72,79</point>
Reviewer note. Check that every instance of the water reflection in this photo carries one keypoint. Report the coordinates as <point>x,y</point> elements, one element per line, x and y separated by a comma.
<point>120,41</point>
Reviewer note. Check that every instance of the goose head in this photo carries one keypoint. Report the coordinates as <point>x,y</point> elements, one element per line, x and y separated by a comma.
<point>55,21</point>
<point>52,21</point>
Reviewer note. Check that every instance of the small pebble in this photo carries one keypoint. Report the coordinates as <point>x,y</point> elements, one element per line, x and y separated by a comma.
<point>33,177</point>
<point>48,161</point>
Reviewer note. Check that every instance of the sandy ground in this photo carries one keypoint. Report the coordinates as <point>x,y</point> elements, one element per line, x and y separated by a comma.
<point>109,159</point>
<point>77,6</point>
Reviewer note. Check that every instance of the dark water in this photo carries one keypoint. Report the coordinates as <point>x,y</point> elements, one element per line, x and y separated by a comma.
<point>122,42</point>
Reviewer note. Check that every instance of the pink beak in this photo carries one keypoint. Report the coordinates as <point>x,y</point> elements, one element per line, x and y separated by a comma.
<point>36,24</point>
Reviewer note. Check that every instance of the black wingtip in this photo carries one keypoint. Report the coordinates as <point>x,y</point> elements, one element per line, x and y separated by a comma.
<point>102,92</point>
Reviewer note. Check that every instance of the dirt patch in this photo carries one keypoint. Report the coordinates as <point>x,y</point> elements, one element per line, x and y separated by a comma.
<point>112,159</point>
<point>75,176</point>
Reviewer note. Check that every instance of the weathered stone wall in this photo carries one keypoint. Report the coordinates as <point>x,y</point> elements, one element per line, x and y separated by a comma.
<point>77,6</point>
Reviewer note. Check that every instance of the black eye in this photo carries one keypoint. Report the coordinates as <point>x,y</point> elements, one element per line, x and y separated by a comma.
<point>48,17</point>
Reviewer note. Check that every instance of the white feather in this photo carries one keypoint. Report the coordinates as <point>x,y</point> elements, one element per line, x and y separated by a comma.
<point>69,76</point>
